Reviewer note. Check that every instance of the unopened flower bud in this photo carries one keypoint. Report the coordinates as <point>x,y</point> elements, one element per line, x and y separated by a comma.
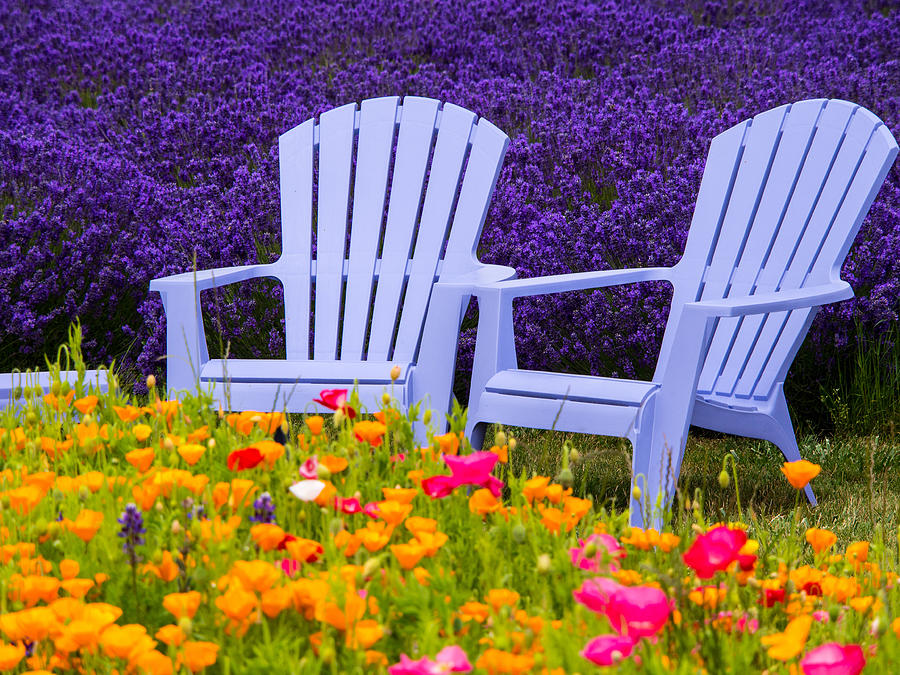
<point>211,443</point>
<point>500,439</point>
<point>323,472</point>
<point>590,550</point>
<point>519,533</point>
<point>426,418</point>
<point>574,455</point>
<point>338,417</point>
<point>151,382</point>
<point>565,478</point>
<point>395,373</point>
<point>636,493</point>
<point>186,626</point>
<point>371,566</point>
<point>544,563</point>
<point>83,493</point>
<point>724,480</point>
<point>176,527</point>
<point>386,398</point>
<point>168,444</point>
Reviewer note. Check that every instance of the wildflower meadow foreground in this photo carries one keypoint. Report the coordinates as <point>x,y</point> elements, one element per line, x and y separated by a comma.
<point>172,537</point>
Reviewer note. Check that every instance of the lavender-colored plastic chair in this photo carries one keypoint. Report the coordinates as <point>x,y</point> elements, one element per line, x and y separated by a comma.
<point>781,200</point>
<point>382,287</point>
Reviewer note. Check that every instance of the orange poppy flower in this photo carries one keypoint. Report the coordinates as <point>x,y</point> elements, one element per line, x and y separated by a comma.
<point>483,502</point>
<point>69,569</point>
<point>182,604</point>
<point>790,643</point>
<point>400,495</point>
<point>198,435</point>
<point>408,555</point>
<point>42,480</point>
<point>77,588</point>
<point>499,597</point>
<point>267,536</point>
<point>191,452</point>
<point>257,575</point>
<point>199,655</point>
<point>142,432</point>
<point>154,662</point>
<point>86,524</point>
<point>86,405</point>
<point>10,655</point>
<point>128,413</point>
<point>333,464</point>
<point>448,443</point>
<point>416,524</point>
<point>363,634</point>
<point>315,422</point>
<point>535,488</point>
<point>166,570</point>
<point>393,513</point>
<point>799,473</point>
<point>141,458</point>
<point>474,611</point>
<point>857,552</point>
<point>171,635</point>
<point>236,603</point>
<point>369,432</point>
<point>820,540</point>
<point>305,550</point>
<point>496,661</point>
<point>275,600</point>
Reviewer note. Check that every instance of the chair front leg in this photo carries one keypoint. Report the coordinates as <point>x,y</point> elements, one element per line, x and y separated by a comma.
<point>185,339</point>
<point>495,349</point>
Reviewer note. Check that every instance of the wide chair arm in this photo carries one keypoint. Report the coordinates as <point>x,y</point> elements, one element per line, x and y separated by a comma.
<point>575,281</point>
<point>776,301</point>
<point>207,279</point>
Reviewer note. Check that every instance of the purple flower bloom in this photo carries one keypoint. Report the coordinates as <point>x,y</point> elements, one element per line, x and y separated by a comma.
<point>263,509</point>
<point>132,522</point>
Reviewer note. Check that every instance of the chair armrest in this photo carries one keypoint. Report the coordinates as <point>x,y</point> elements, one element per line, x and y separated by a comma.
<point>576,281</point>
<point>482,276</point>
<point>206,279</point>
<point>777,301</point>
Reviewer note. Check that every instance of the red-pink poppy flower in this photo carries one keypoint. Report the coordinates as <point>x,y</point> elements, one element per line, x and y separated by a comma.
<point>636,611</point>
<point>350,505</point>
<point>473,469</point>
<point>335,399</point>
<point>310,468</point>
<point>607,650</point>
<point>598,551</point>
<point>245,458</point>
<point>714,551</point>
<point>449,660</point>
<point>290,566</point>
<point>834,659</point>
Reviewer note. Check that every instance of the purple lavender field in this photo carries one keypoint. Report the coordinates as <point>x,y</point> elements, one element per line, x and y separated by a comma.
<point>135,137</point>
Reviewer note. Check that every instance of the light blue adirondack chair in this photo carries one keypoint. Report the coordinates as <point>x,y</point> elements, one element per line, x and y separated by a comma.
<point>390,290</point>
<point>781,200</point>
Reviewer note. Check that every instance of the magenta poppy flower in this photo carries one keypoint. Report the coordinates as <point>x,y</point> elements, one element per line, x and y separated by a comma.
<point>350,505</point>
<point>638,611</point>
<point>449,660</point>
<point>714,551</point>
<point>834,659</point>
<point>335,399</point>
<point>607,650</point>
<point>473,469</point>
<point>597,593</point>
<point>310,468</point>
<point>606,548</point>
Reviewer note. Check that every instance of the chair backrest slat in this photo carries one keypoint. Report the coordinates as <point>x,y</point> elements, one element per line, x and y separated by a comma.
<point>855,178</point>
<point>336,136</point>
<point>417,127</point>
<point>482,171</point>
<point>734,337</point>
<point>295,157</point>
<point>443,182</point>
<point>829,134</point>
<point>377,120</point>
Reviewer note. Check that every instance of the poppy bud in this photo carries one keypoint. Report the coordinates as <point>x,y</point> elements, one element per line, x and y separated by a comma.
<point>395,373</point>
<point>386,398</point>
<point>724,480</point>
<point>17,392</point>
<point>56,388</point>
<point>186,626</point>
<point>151,382</point>
<point>500,439</point>
<point>544,563</point>
<point>636,493</point>
<point>519,534</point>
<point>511,444</point>
<point>574,455</point>
<point>565,478</point>
<point>66,387</point>
<point>322,472</point>
<point>426,418</point>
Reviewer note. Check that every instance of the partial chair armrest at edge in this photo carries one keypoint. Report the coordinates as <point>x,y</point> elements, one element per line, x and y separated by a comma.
<point>206,279</point>
<point>777,301</point>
